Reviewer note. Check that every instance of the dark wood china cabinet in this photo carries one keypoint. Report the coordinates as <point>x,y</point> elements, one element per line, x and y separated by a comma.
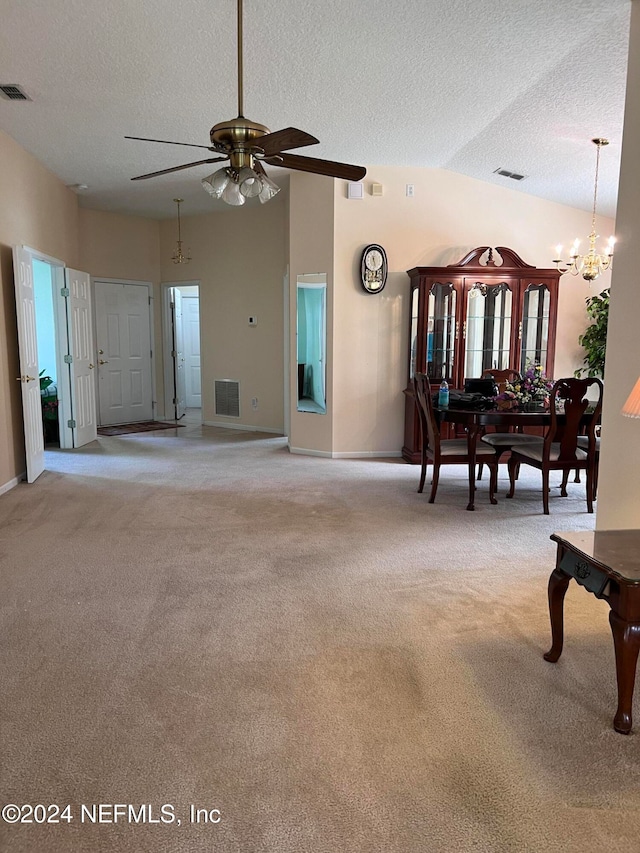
<point>490,310</point>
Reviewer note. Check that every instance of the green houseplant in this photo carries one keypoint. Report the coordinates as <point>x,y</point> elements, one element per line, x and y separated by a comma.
<point>594,339</point>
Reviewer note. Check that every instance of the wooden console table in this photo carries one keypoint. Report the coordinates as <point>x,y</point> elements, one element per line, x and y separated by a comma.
<point>607,564</point>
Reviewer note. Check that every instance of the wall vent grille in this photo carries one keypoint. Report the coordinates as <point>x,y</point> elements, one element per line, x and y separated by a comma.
<point>227,398</point>
<point>515,176</point>
<point>13,92</point>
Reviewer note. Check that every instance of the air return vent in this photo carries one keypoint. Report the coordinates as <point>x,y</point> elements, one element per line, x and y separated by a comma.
<point>506,174</point>
<point>13,92</point>
<point>227,393</point>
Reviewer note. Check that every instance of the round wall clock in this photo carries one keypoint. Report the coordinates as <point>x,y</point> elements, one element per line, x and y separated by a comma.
<point>373,268</point>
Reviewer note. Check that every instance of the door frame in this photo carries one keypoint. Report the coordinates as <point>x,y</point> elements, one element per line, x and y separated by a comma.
<point>167,341</point>
<point>98,279</point>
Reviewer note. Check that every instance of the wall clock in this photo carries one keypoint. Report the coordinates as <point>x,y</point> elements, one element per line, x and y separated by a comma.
<point>373,268</point>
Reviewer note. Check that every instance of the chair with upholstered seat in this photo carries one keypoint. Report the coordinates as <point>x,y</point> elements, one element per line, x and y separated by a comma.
<point>452,451</point>
<point>502,441</point>
<point>560,449</point>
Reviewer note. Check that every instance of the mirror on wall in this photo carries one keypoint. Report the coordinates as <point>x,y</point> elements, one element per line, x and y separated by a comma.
<point>311,331</point>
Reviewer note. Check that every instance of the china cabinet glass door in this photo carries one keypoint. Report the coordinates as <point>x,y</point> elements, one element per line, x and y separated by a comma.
<point>535,326</point>
<point>441,332</point>
<point>487,328</point>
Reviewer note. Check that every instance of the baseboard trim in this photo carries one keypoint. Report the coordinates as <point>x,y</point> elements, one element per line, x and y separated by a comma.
<point>302,451</point>
<point>349,454</point>
<point>8,486</point>
<point>367,454</point>
<point>245,427</point>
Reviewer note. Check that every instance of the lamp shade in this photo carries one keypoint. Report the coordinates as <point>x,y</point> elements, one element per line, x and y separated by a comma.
<point>631,408</point>
<point>217,183</point>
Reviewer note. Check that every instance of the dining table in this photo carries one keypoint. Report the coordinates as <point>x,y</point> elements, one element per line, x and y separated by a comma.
<point>474,421</point>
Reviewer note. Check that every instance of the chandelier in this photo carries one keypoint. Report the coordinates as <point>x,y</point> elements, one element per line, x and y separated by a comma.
<point>178,256</point>
<point>235,186</point>
<point>593,263</point>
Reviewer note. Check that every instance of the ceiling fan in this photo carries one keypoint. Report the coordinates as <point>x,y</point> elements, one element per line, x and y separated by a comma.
<point>246,145</point>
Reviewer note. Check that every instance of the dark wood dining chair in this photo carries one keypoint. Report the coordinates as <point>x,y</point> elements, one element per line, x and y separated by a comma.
<point>560,449</point>
<point>583,442</point>
<point>449,451</point>
<point>500,377</point>
<point>504,439</point>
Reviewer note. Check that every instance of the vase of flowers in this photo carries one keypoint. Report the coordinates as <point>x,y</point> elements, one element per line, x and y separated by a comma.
<point>530,393</point>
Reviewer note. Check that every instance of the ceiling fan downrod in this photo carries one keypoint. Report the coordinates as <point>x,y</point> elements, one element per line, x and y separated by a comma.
<point>240,93</point>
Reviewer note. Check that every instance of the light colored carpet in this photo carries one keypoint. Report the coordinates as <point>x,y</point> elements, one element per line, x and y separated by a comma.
<point>306,645</point>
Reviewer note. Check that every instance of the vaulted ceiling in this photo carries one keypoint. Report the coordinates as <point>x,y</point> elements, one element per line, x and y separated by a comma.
<point>467,86</point>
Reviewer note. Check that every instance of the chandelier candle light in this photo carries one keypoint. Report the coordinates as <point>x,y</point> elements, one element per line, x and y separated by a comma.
<point>178,256</point>
<point>593,263</point>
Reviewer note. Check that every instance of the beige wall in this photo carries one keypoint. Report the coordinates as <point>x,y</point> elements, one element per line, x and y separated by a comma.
<point>238,255</point>
<point>37,210</point>
<point>449,215</point>
<point>311,241</point>
<point>113,245</point>
<point>618,506</point>
<point>117,246</point>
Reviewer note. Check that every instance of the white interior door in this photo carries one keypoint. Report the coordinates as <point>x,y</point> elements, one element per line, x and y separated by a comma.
<point>123,338</point>
<point>82,352</point>
<point>191,324</point>
<point>29,379</point>
<point>178,354</point>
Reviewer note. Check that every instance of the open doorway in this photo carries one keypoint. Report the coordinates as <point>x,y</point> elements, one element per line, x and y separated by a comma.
<point>181,349</point>
<point>46,336</point>
<point>55,346</point>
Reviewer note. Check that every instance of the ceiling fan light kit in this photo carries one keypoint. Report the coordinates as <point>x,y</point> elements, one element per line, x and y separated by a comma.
<point>234,187</point>
<point>246,145</point>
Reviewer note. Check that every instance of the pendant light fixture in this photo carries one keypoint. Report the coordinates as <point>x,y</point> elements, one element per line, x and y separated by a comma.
<point>593,263</point>
<point>178,256</point>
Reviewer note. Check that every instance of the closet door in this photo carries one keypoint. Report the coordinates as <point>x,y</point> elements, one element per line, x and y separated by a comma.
<point>29,379</point>
<point>80,336</point>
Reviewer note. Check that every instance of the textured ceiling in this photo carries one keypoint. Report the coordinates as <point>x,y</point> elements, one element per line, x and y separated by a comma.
<point>459,85</point>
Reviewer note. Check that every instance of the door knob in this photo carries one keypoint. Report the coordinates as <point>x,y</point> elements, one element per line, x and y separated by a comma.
<point>25,379</point>
<point>102,361</point>
<point>91,366</point>
<point>100,352</point>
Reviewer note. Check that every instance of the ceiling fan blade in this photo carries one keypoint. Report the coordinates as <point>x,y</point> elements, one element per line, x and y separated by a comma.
<point>282,140</point>
<point>169,142</point>
<point>318,167</point>
<point>178,168</point>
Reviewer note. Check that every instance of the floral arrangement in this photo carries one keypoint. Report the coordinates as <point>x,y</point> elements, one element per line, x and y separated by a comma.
<point>533,388</point>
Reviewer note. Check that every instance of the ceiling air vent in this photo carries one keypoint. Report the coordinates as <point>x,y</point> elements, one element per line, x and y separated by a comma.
<point>227,394</point>
<point>506,174</point>
<point>13,92</point>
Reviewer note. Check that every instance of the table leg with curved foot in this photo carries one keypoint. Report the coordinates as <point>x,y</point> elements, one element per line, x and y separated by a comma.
<point>558,583</point>
<point>472,441</point>
<point>626,641</point>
